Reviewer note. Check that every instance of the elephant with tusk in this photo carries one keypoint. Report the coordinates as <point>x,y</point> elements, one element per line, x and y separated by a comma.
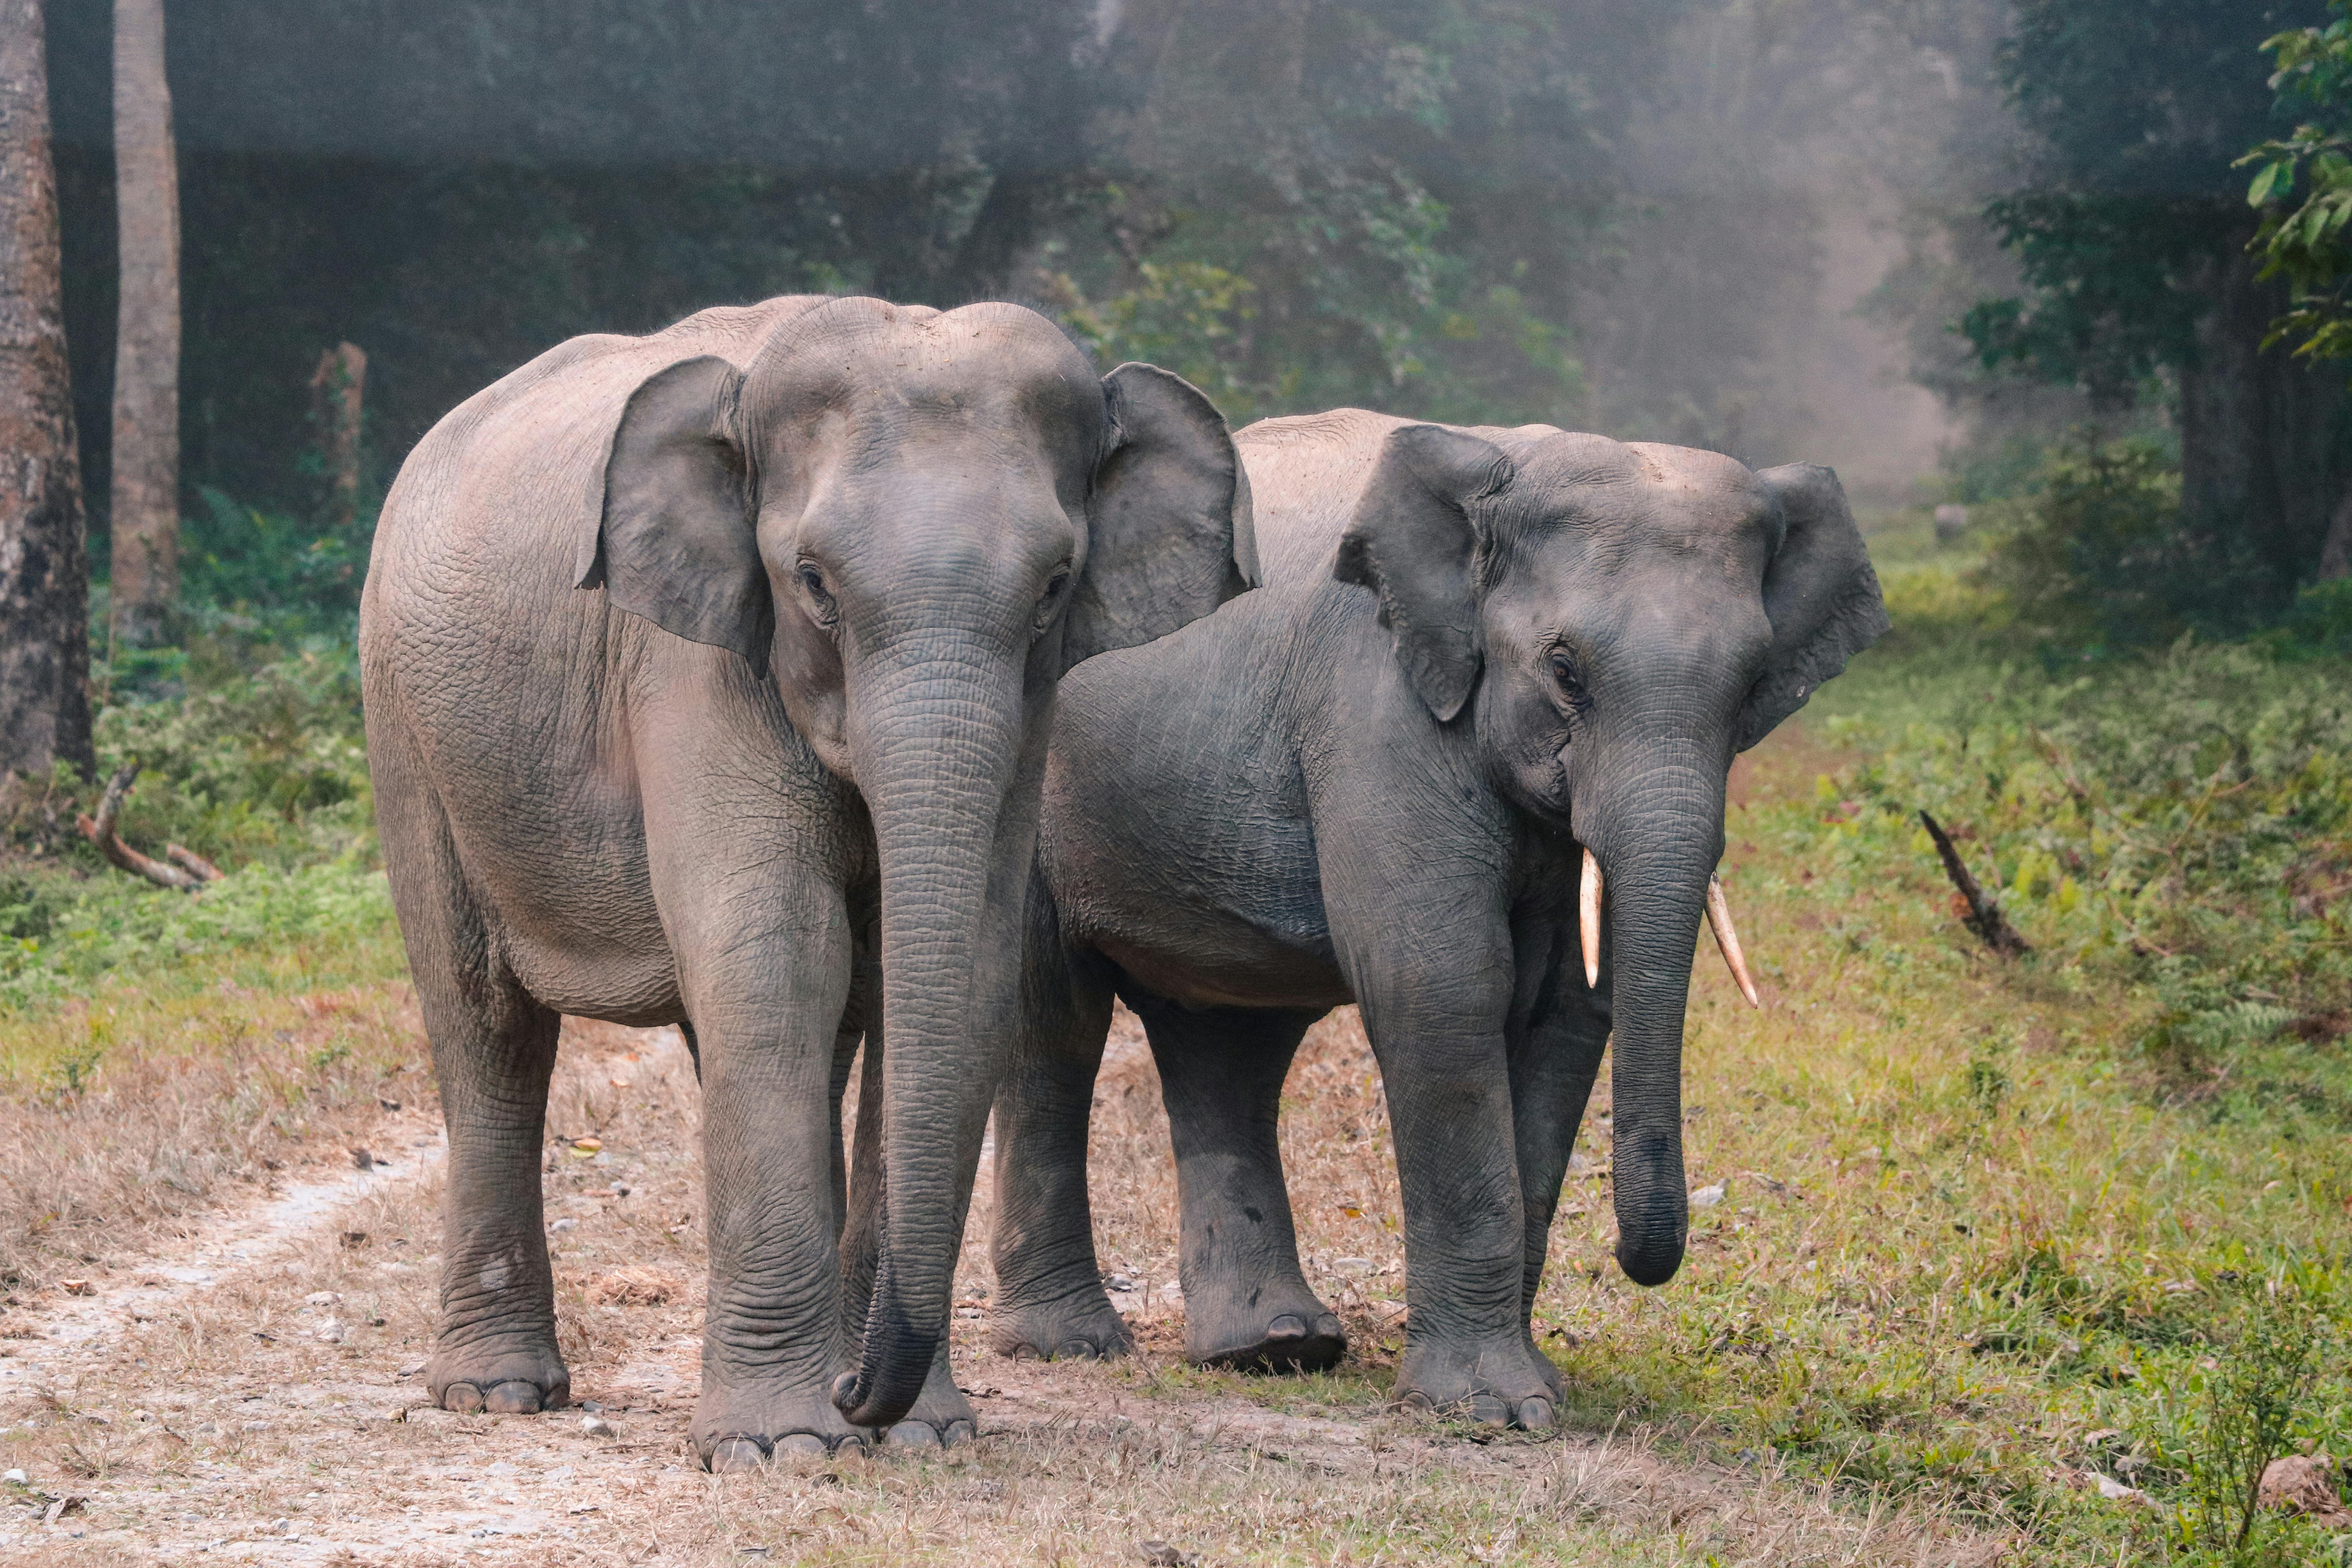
<point>708,676</point>
<point>1480,669</point>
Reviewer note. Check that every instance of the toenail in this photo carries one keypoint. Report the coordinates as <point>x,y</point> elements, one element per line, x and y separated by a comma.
<point>850,1447</point>
<point>733,1455</point>
<point>1076,1350</point>
<point>911,1435</point>
<point>959,1432</point>
<point>1535,1414</point>
<point>1414,1399</point>
<point>463,1397</point>
<point>1025,1352</point>
<point>1328,1325</point>
<point>1486,1408</point>
<point>1286,1328</point>
<point>513,1398</point>
<point>801,1443</point>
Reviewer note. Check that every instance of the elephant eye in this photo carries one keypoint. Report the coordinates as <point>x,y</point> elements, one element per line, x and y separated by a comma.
<point>1571,685</point>
<point>812,581</point>
<point>1056,587</point>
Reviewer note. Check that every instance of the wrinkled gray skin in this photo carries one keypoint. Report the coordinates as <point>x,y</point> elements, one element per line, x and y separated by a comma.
<point>1473,653</point>
<point>707,674</point>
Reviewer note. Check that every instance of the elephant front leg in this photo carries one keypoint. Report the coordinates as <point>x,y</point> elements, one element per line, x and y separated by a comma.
<point>773,1341</point>
<point>1553,1066</point>
<point>1467,1344</point>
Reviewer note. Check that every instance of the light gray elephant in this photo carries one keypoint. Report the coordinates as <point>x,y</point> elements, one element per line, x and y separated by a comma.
<point>706,673</point>
<point>1492,684</point>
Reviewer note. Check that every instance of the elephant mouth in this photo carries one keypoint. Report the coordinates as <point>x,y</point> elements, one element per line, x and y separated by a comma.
<point>1588,895</point>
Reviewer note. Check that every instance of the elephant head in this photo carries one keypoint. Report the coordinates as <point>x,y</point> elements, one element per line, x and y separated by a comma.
<point>1615,621</point>
<point>913,522</point>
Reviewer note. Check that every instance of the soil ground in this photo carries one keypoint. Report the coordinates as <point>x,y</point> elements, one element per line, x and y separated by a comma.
<point>250,1389</point>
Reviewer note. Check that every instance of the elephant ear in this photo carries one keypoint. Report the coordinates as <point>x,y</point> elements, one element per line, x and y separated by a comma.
<point>676,543</point>
<point>1414,544</point>
<point>1169,500</point>
<point>1820,593</point>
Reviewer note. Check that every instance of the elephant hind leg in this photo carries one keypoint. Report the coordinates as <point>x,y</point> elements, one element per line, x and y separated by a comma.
<point>493,1052</point>
<point>1247,1301</point>
<point>1049,1300</point>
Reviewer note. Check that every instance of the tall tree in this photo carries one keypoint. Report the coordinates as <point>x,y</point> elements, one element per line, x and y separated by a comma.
<point>2133,237</point>
<point>146,501</point>
<point>44,588</point>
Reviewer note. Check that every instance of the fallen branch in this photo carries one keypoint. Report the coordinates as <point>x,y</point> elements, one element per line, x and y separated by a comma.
<point>193,871</point>
<point>1983,916</point>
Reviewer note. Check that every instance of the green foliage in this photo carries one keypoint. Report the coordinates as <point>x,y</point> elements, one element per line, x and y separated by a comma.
<point>2140,107</point>
<point>2216,1423</point>
<point>2184,817</point>
<point>269,766</point>
<point>2096,558</point>
<point>114,929</point>
<point>2305,241</point>
<point>245,569</point>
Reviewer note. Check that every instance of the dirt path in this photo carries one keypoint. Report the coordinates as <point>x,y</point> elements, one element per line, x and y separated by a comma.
<point>252,1393</point>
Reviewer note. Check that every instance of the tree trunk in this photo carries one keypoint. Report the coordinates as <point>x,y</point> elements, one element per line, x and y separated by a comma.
<point>337,391</point>
<point>44,585</point>
<point>146,502</point>
<point>2265,439</point>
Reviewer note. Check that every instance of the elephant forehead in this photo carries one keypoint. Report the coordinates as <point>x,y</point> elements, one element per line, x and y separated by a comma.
<point>1645,494</point>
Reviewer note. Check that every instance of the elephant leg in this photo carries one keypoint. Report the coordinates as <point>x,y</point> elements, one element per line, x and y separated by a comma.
<point>1553,1063</point>
<point>768,1007</point>
<point>493,1051</point>
<point>942,1415</point>
<point>1247,1302</point>
<point>1447,1083</point>
<point>1049,1299</point>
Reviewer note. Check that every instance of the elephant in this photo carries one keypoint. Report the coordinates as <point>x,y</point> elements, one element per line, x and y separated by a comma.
<point>707,677</point>
<point>1488,683</point>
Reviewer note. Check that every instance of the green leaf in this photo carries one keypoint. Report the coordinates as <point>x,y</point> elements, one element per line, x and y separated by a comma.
<point>2272,178</point>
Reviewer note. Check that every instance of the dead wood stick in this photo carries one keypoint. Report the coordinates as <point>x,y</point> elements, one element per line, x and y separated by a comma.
<point>101,832</point>
<point>1984,916</point>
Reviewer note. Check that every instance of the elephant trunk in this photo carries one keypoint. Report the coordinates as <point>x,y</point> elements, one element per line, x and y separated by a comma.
<point>1657,850</point>
<point>935,757</point>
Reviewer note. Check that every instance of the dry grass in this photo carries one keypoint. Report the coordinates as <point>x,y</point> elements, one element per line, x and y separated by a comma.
<point>130,1112</point>
<point>191,1431</point>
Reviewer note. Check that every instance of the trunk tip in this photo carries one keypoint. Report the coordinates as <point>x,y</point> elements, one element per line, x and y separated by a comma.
<point>1650,1263</point>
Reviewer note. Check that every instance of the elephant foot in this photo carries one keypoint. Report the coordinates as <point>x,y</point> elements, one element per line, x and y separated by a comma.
<point>742,1428</point>
<point>1078,1327</point>
<point>941,1419</point>
<point>1505,1381</point>
<point>499,1379</point>
<point>1266,1328</point>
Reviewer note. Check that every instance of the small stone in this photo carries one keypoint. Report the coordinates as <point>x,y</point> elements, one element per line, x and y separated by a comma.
<point>331,1332</point>
<point>321,1299</point>
<point>1118,1282</point>
<point>362,1159</point>
<point>14,1477</point>
<point>77,1287</point>
<point>2114,1490</point>
<point>564,1225</point>
<point>596,1427</point>
<point>1706,1198</point>
<point>1164,1555</point>
<point>387,1104</point>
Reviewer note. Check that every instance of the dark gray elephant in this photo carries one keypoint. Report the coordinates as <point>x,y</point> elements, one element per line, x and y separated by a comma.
<point>846,551</point>
<point>1480,661</point>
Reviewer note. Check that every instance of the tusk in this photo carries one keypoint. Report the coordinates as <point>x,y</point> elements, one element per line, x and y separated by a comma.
<point>1588,920</point>
<point>1726,937</point>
